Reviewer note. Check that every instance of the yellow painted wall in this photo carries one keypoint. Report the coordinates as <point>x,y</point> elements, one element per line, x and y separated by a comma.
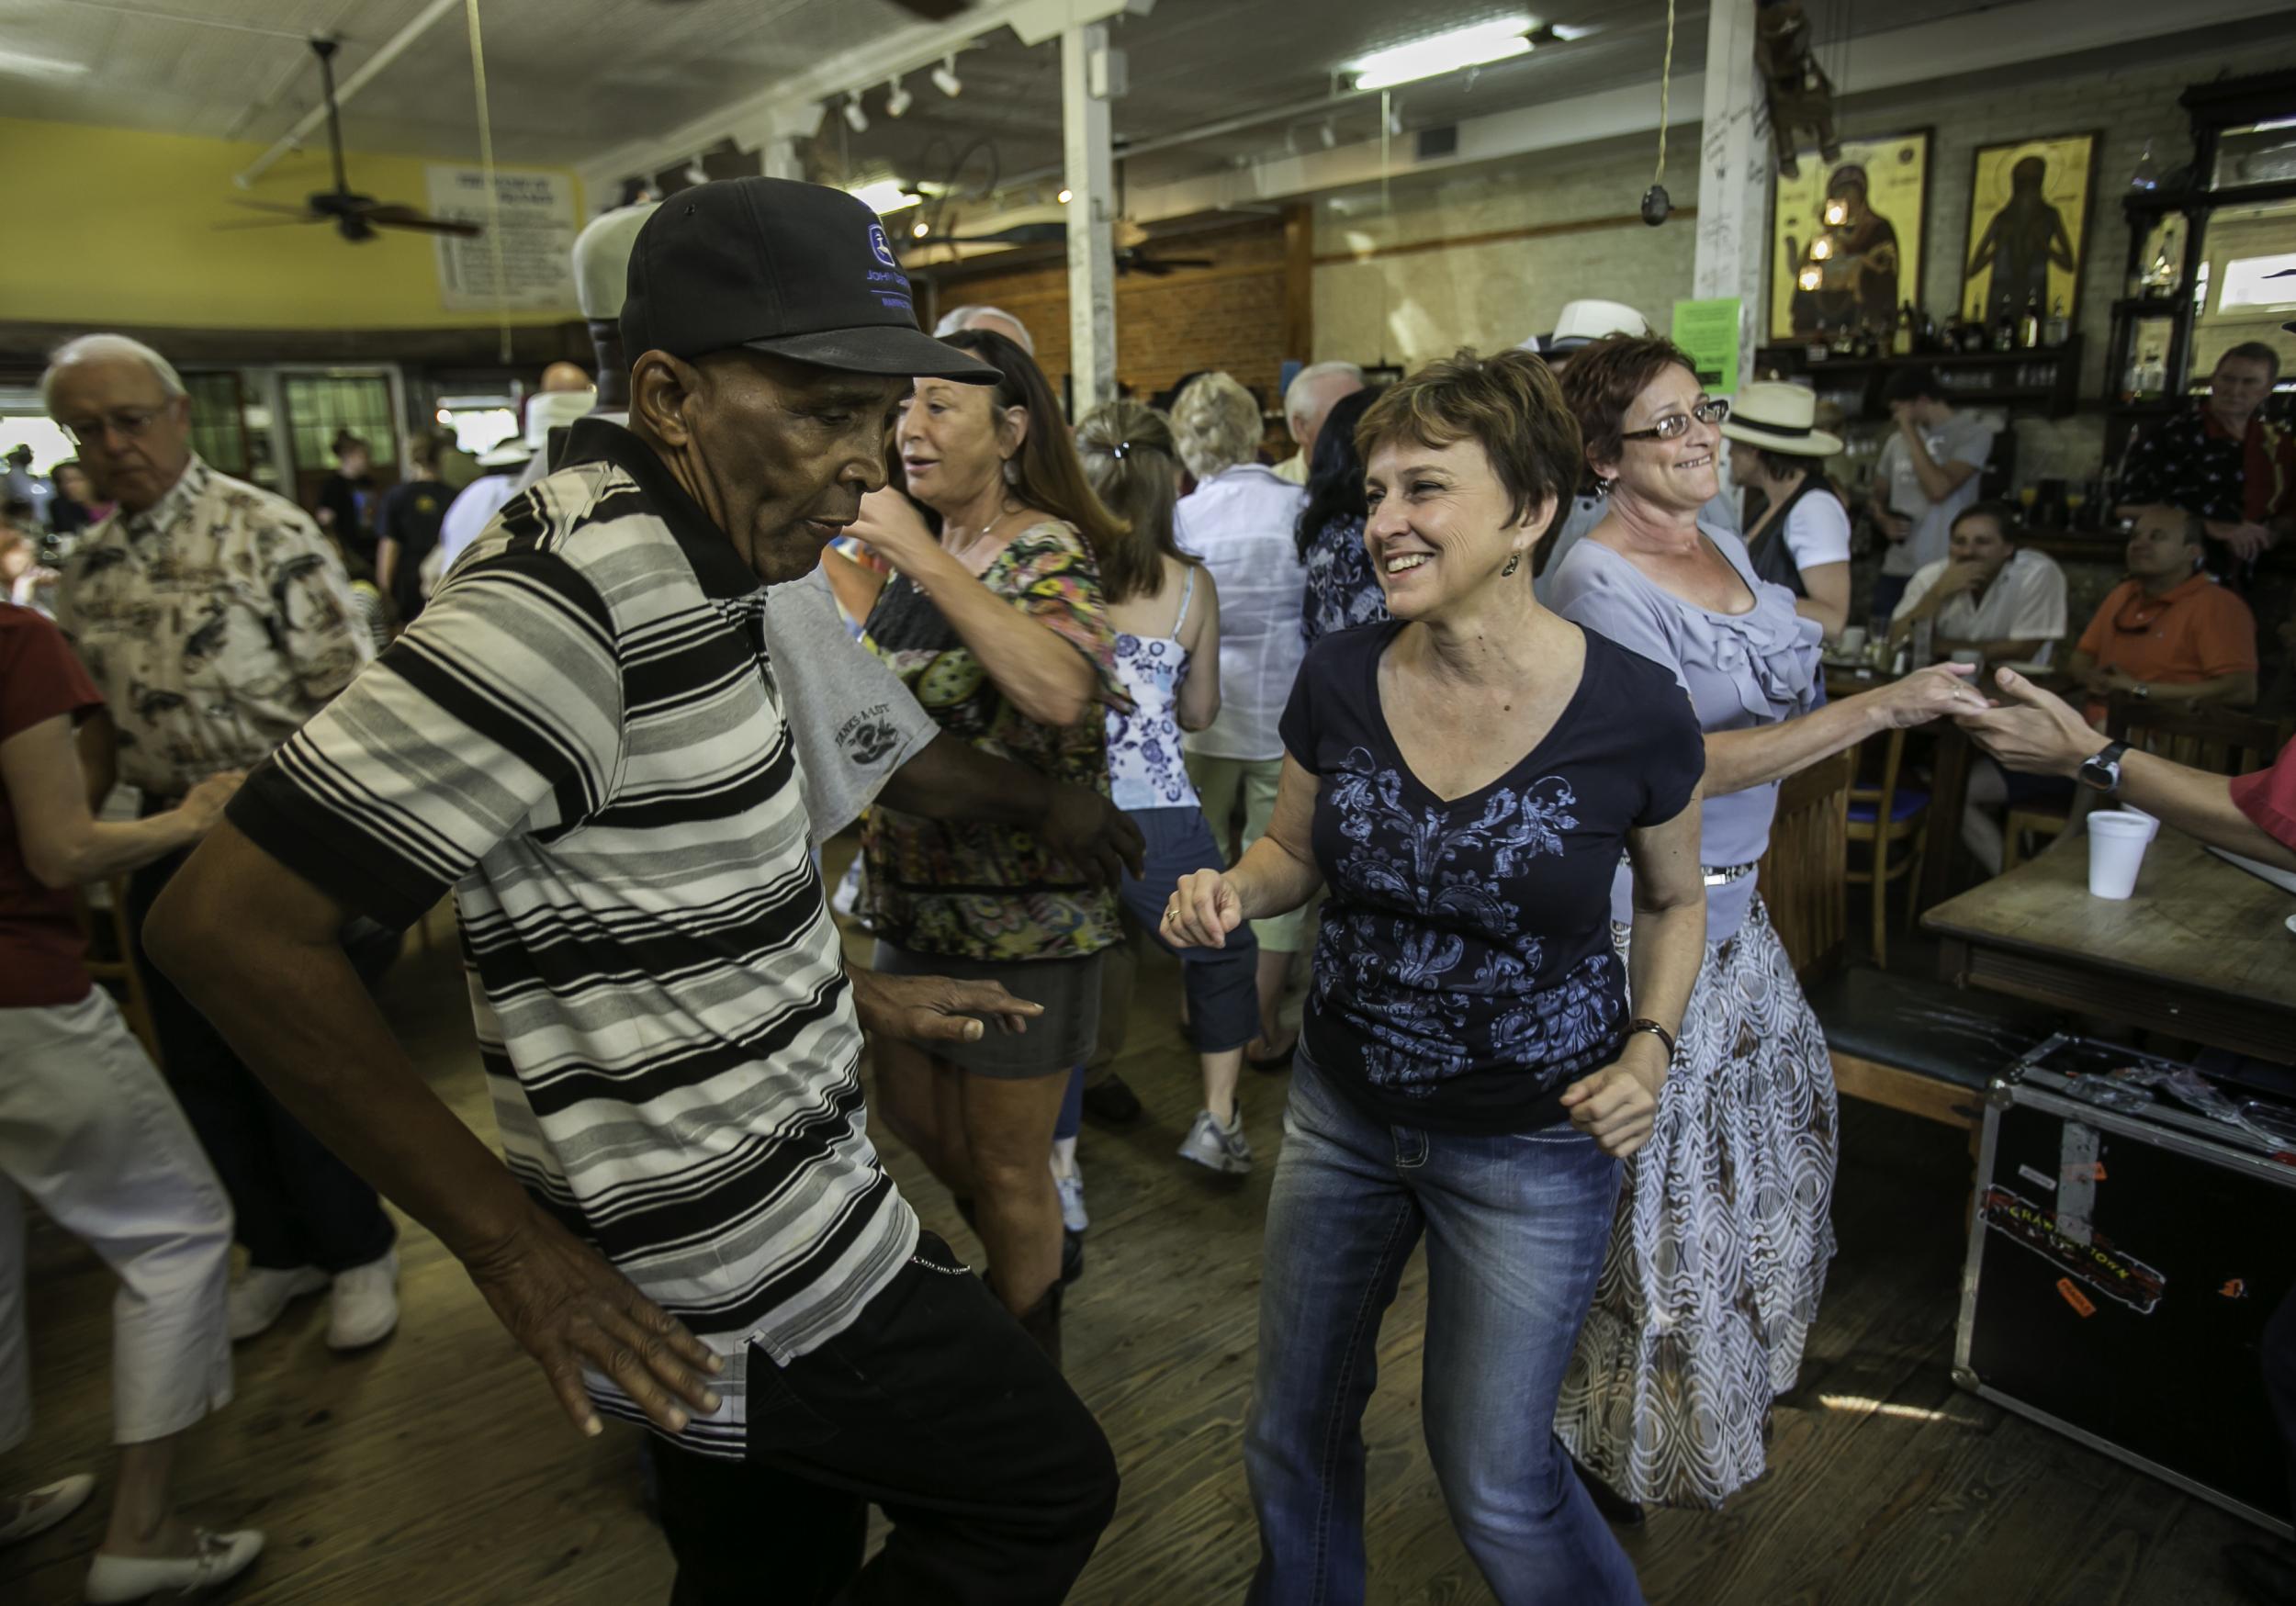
<point>115,226</point>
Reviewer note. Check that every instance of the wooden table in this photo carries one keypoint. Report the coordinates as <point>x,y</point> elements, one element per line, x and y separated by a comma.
<point>2199,952</point>
<point>1949,782</point>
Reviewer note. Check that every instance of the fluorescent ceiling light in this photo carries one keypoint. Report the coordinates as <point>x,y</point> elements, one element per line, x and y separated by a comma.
<point>23,66</point>
<point>1445,52</point>
<point>883,197</point>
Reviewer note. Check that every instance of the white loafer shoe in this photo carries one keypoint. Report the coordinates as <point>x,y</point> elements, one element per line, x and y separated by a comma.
<point>42,1509</point>
<point>219,1558</point>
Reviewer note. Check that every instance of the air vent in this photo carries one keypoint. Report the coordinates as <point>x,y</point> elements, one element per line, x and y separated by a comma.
<point>1441,142</point>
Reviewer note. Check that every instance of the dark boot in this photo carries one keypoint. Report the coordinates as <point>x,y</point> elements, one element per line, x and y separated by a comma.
<point>1042,1323</point>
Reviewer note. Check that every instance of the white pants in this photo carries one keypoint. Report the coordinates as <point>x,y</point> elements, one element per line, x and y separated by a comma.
<point>89,1130</point>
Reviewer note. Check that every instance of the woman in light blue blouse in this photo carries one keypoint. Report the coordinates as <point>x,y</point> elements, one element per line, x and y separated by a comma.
<point>1723,1236</point>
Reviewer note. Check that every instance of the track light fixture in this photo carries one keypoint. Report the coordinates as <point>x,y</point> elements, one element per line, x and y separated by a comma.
<point>945,78</point>
<point>856,118</point>
<point>897,98</point>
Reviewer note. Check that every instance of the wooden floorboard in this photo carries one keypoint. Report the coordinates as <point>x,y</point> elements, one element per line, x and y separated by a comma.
<point>435,1468</point>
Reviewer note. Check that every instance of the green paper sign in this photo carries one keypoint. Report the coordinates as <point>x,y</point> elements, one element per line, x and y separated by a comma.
<point>1709,332</point>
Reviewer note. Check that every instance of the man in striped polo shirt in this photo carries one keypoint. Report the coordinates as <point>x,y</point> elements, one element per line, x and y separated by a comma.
<point>582,736</point>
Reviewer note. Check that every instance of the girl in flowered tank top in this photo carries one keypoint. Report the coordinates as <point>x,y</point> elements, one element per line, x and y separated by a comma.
<point>1166,611</point>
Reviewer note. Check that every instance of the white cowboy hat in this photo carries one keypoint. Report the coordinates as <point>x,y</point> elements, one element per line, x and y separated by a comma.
<point>1779,418</point>
<point>1585,322</point>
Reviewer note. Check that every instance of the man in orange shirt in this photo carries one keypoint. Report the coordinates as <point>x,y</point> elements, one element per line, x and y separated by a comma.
<point>2169,632</point>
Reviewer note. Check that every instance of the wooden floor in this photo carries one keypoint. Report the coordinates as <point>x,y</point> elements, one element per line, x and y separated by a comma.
<point>437,1469</point>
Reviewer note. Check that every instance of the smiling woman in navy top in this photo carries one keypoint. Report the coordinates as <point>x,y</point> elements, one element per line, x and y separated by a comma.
<point>1465,778</point>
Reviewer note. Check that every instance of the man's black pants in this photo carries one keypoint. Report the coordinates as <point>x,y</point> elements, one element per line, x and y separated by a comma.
<point>293,1203</point>
<point>934,1406</point>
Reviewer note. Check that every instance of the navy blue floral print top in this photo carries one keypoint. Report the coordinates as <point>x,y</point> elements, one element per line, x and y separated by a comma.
<point>1342,588</point>
<point>1464,975</point>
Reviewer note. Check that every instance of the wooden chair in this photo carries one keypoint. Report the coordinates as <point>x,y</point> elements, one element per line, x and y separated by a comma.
<point>2220,740</point>
<point>116,969</point>
<point>1887,816</point>
<point>1804,876</point>
<point>1910,1042</point>
<point>2035,820</point>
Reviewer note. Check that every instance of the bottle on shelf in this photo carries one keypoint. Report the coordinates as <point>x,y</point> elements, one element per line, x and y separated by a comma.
<point>1975,337</point>
<point>1901,338</point>
<point>2028,324</point>
<point>2005,332</point>
<point>1925,338</point>
<point>2059,328</point>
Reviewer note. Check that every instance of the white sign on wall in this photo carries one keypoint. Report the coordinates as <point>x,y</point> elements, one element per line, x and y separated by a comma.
<point>536,232</point>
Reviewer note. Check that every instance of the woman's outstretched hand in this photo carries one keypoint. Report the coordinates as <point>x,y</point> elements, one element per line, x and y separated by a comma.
<point>1202,911</point>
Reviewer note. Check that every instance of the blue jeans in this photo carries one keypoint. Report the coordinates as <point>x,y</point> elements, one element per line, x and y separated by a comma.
<point>1516,1226</point>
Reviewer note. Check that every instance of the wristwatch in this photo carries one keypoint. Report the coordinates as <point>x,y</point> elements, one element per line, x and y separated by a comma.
<point>2101,770</point>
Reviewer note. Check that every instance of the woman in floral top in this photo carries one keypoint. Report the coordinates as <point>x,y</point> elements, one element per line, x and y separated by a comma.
<point>997,627</point>
<point>1343,589</point>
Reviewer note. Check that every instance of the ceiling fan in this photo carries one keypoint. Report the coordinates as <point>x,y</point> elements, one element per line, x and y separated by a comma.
<point>355,217</point>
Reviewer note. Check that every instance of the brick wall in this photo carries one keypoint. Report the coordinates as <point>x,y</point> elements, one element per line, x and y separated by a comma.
<point>2128,105</point>
<point>1227,316</point>
<point>1488,294</point>
<point>1414,305</point>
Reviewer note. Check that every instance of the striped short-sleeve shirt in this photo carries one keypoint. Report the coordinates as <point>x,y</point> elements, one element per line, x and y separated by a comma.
<point>582,737</point>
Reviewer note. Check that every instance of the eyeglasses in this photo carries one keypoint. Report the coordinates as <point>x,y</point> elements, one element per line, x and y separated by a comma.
<point>1712,411</point>
<point>127,422</point>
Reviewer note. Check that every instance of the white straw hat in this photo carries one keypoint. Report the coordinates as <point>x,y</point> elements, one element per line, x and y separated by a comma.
<point>1585,322</point>
<point>1779,418</point>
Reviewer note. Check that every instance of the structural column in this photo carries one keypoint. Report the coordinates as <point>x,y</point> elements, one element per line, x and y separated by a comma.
<point>1732,256</point>
<point>1091,75</point>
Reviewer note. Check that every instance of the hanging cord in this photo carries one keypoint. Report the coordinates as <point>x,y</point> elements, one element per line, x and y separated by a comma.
<point>1666,82</point>
<point>486,166</point>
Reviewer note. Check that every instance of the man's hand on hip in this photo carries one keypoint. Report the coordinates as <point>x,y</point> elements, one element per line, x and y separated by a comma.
<point>569,1308</point>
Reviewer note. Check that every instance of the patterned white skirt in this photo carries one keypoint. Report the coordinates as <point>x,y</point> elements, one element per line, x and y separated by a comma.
<point>1720,1247</point>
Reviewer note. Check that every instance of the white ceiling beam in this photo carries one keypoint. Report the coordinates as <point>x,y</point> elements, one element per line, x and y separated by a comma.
<point>1968,42</point>
<point>385,55</point>
<point>793,105</point>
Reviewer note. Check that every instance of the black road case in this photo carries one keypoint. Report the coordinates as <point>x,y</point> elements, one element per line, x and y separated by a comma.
<point>2125,1257</point>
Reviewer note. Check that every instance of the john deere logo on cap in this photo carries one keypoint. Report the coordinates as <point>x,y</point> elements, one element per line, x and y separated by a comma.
<point>878,243</point>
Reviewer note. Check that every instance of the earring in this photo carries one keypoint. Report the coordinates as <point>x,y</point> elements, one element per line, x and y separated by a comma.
<point>1012,471</point>
<point>1602,486</point>
<point>1515,561</point>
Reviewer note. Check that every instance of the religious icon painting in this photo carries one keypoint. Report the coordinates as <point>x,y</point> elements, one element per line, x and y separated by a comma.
<point>2028,241</point>
<point>1846,239</point>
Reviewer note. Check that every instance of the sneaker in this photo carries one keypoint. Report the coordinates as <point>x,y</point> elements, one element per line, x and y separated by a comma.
<point>366,1304</point>
<point>43,1508</point>
<point>1112,1103</point>
<point>219,1558</point>
<point>1218,1147</point>
<point>1072,1192</point>
<point>262,1296</point>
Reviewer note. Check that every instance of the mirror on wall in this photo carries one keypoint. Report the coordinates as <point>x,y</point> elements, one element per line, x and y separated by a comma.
<point>2236,297</point>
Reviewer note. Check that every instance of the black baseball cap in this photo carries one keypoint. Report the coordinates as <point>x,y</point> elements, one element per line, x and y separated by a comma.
<point>796,270</point>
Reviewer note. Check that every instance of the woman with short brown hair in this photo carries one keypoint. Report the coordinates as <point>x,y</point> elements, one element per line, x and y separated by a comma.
<point>1464,777</point>
<point>1723,1235</point>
